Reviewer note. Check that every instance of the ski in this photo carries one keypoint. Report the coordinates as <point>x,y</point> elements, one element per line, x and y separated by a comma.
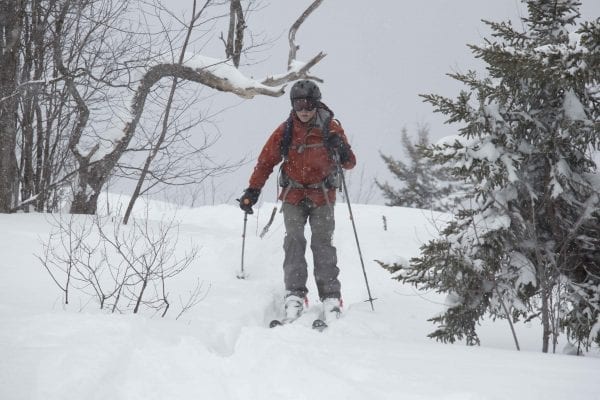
<point>280,322</point>
<point>275,323</point>
<point>319,325</point>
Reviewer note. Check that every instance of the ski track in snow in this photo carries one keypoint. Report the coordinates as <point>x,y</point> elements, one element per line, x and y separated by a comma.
<point>223,349</point>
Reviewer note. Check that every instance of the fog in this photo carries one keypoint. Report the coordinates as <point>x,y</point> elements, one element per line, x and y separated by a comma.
<point>380,56</point>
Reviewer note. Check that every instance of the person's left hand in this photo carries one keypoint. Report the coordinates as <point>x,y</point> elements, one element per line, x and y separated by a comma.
<point>336,143</point>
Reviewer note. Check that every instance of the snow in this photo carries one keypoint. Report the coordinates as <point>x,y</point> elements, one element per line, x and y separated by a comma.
<point>486,151</point>
<point>525,267</point>
<point>101,145</point>
<point>574,110</point>
<point>222,348</point>
<point>224,69</point>
<point>492,110</point>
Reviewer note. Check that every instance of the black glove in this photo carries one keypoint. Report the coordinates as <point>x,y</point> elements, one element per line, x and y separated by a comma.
<point>248,199</point>
<point>336,144</point>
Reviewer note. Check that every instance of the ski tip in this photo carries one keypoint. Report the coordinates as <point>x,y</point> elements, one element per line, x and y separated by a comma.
<point>275,323</point>
<point>319,325</point>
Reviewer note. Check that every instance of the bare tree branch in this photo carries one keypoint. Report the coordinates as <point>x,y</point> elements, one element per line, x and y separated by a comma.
<point>292,33</point>
<point>293,75</point>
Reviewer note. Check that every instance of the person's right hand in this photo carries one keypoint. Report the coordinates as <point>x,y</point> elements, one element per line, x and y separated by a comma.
<point>248,199</point>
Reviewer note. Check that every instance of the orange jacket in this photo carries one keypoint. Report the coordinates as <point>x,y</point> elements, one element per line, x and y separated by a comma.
<point>308,160</point>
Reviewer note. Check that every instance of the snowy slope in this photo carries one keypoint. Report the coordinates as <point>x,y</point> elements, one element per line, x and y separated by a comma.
<point>222,350</point>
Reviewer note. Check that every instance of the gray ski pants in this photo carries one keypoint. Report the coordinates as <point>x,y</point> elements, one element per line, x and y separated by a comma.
<point>322,225</point>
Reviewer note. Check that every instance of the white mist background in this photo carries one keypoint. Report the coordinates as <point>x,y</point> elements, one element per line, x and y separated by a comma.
<point>380,56</point>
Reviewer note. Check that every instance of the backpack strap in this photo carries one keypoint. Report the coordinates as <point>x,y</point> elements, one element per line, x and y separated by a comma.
<point>332,181</point>
<point>286,140</point>
<point>325,131</point>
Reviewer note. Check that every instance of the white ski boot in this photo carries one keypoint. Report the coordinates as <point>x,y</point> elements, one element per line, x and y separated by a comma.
<point>332,309</point>
<point>294,306</point>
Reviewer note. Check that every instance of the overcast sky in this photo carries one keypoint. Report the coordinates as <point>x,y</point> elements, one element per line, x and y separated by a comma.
<point>380,56</point>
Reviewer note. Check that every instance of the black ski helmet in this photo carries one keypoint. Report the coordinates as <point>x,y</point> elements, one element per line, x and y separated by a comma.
<point>305,89</point>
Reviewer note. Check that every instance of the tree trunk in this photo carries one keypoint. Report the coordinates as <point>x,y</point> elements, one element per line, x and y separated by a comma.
<point>27,171</point>
<point>89,186</point>
<point>235,36</point>
<point>84,203</point>
<point>32,69</point>
<point>11,18</point>
<point>93,175</point>
<point>547,331</point>
<point>8,163</point>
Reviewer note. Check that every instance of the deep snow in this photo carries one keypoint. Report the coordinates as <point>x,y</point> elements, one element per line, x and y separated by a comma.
<point>222,348</point>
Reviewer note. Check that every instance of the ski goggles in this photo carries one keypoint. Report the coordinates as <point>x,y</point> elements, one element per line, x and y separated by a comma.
<point>304,104</point>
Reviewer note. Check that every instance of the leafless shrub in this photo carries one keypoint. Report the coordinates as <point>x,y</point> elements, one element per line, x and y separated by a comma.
<point>123,268</point>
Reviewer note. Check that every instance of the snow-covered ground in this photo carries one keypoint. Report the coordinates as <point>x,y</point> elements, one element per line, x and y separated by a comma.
<point>222,348</point>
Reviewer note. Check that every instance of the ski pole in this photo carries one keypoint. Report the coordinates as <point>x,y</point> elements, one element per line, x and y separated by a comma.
<point>362,263</point>
<point>242,274</point>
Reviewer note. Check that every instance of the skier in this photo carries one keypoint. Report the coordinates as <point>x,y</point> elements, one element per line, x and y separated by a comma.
<point>308,145</point>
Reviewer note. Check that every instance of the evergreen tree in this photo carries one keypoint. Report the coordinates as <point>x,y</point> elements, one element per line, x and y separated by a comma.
<point>529,243</point>
<point>425,183</point>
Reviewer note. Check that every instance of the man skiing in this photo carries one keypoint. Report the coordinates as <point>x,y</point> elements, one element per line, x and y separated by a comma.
<point>310,144</point>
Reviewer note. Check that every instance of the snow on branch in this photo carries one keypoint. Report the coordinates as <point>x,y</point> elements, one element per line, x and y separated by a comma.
<point>221,75</point>
<point>298,70</point>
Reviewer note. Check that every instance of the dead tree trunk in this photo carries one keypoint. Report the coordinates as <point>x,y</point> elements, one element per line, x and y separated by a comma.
<point>94,174</point>
<point>235,35</point>
<point>11,20</point>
